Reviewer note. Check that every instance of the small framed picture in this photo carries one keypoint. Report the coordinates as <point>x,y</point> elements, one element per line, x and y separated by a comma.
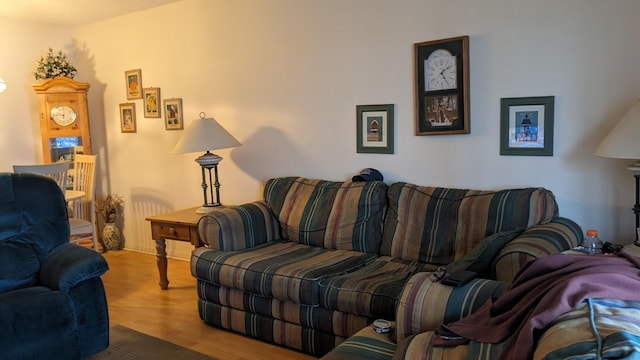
<point>173,114</point>
<point>375,129</point>
<point>151,100</point>
<point>526,126</point>
<point>133,80</point>
<point>128,117</point>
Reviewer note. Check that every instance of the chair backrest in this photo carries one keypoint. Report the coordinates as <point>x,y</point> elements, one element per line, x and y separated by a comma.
<point>84,180</point>
<point>57,171</point>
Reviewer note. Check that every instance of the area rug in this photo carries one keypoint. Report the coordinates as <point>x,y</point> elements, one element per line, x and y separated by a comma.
<point>125,343</point>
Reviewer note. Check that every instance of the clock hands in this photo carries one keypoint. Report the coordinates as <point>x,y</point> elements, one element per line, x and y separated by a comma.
<point>442,73</point>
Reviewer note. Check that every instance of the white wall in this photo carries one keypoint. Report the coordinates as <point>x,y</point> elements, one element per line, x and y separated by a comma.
<point>284,77</point>
<point>22,45</point>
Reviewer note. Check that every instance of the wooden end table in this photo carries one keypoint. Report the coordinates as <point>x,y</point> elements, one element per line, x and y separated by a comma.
<point>179,225</point>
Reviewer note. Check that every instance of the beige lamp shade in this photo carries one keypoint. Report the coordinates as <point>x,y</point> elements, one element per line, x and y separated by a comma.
<point>623,142</point>
<point>3,85</point>
<point>204,134</point>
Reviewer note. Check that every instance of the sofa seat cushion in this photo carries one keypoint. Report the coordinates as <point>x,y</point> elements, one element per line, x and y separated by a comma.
<point>307,316</point>
<point>329,214</point>
<point>35,312</point>
<point>283,270</point>
<point>439,225</point>
<point>371,291</point>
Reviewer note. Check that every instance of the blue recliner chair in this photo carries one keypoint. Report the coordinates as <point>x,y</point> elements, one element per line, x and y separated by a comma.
<point>52,300</point>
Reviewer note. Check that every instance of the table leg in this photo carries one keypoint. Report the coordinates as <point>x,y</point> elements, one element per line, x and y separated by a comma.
<point>161,249</point>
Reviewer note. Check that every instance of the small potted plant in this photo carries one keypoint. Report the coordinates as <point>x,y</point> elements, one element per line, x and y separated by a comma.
<point>109,208</point>
<point>54,64</point>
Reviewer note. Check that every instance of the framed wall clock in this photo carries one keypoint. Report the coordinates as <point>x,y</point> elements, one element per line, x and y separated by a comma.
<point>442,86</point>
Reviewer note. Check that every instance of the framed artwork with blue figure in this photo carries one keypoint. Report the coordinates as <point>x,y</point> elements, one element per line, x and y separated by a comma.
<point>526,126</point>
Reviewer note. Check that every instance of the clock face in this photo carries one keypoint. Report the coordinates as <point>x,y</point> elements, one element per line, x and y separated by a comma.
<point>63,115</point>
<point>440,71</point>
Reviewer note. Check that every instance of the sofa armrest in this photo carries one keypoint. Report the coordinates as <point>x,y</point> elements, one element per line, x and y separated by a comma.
<point>540,240</point>
<point>238,227</point>
<point>69,264</point>
<point>424,304</point>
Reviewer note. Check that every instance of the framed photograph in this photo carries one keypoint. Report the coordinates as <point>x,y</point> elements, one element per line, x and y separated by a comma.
<point>128,117</point>
<point>526,126</point>
<point>151,102</point>
<point>442,86</point>
<point>375,129</point>
<point>133,80</point>
<point>173,114</point>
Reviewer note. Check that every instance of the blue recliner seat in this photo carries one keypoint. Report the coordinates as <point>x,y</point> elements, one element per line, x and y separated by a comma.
<point>52,300</point>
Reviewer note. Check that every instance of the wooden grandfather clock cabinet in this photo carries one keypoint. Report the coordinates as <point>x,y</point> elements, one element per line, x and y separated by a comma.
<point>64,118</point>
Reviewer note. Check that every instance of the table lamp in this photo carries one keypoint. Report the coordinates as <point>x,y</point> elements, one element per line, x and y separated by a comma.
<point>623,143</point>
<point>205,134</point>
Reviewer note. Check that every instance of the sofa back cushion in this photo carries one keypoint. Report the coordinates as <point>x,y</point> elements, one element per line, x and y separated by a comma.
<point>334,215</point>
<point>439,225</point>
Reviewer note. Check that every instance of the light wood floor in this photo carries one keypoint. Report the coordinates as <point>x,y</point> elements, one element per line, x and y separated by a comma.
<point>137,302</point>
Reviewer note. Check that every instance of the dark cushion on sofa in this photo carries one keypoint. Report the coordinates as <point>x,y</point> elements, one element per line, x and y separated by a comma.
<point>328,214</point>
<point>481,257</point>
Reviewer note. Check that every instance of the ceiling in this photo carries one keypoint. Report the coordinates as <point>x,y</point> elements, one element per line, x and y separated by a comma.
<point>73,12</point>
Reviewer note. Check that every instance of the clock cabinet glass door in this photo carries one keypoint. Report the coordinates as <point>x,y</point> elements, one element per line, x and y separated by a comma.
<point>64,149</point>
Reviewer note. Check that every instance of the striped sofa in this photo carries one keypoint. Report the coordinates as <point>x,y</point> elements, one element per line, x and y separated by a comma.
<point>316,261</point>
<point>595,329</point>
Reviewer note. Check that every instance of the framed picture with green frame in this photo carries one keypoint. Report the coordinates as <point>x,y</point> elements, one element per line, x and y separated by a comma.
<point>374,129</point>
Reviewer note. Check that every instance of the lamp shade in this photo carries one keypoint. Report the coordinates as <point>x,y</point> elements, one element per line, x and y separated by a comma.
<point>623,142</point>
<point>204,134</point>
<point>3,85</point>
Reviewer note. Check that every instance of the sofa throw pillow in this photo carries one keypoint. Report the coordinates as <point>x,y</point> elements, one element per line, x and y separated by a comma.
<point>480,258</point>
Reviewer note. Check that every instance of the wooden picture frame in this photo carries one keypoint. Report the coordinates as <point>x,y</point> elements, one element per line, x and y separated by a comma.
<point>375,125</point>
<point>128,117</point>
<point>441,86</point>
<point>133,82</point>
<point>526,126</point>
<point>151,102</point>
<point>173,119</point>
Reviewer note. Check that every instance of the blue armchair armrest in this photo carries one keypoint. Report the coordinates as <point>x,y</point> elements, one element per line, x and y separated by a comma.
<point>69,264</point>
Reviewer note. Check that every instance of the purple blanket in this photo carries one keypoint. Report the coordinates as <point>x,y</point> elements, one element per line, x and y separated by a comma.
<point>544,289</point>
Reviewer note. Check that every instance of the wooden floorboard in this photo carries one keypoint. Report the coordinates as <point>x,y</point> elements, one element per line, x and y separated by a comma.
<point>137,302</point>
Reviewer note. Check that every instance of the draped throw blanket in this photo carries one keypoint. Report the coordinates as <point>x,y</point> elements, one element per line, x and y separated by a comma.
<point>543,290</point>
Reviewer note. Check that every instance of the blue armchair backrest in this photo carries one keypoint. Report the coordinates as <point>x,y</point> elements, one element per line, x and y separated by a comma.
<point>33,221</point>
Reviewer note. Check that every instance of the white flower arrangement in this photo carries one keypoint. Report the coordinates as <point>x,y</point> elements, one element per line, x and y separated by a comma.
<point>53,65</point>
